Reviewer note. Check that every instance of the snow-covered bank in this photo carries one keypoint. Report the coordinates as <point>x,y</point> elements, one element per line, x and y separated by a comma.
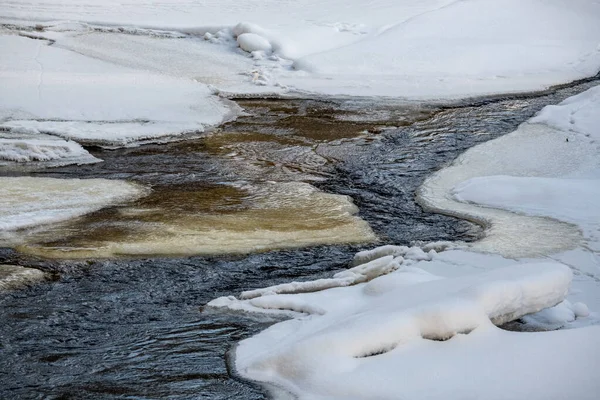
<point>51,91</point>
<point>413,49</point>
<point>403,318</point>
<point>554,170</point>
<point>406,320</point>
<point>28,202</point>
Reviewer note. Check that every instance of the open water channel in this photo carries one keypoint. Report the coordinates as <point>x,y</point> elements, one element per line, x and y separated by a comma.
<point>122,325</point>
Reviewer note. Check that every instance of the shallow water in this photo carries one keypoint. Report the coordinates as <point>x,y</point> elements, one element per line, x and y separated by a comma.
<point>134,328</point>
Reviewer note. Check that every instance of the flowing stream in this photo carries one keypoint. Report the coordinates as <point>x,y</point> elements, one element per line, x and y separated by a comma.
<point>133,326</point>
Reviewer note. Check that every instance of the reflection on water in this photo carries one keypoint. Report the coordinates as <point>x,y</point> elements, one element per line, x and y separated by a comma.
<point>132,328</point>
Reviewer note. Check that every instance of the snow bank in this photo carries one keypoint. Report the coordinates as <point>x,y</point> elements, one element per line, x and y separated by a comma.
<point>47,90</point>
<point>546,168</point>
<point>427,49</point>
<point>28,202</point>
<point>420,325</point>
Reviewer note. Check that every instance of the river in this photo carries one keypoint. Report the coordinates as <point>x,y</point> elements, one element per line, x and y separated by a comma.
<point>135,327</point>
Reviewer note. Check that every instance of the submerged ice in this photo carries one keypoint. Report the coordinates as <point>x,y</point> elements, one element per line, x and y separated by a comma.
<point>186,222</point>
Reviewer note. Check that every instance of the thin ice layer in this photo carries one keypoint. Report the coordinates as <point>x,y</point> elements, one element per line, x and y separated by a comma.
<point>188,222</point>
<point>27,202</point>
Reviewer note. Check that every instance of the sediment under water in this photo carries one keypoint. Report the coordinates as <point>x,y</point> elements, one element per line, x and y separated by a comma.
<point>135,328</point>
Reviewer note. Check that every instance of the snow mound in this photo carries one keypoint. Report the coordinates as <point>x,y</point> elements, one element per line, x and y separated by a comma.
<point>252,42</point>
<point>28,202</point>
<point>247,27</point>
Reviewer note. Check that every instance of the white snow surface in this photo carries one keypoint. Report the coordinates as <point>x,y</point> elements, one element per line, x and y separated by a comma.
<point>401,48</point>
<point>48,90</point>
<point>27,202</point>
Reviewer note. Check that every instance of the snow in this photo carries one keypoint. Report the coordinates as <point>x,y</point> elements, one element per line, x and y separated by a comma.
<point>413,49</point>
<point>412,323</point>
<point>28,202</point>
<point>52,151</point>
<point>402,319</point>
<point>48,90</point>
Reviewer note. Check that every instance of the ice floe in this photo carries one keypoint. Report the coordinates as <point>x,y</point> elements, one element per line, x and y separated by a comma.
<point>27,202</point>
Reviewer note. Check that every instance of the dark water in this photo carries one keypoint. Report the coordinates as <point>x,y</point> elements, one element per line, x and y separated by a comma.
<point>136,329</point>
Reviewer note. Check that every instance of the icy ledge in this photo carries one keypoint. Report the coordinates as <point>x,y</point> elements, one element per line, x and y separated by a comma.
<point>423,327</point>
<point>549,167</point>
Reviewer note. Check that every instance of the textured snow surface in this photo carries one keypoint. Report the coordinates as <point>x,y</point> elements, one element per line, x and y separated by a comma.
<point>28,202</point>
<point>401,48</point>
